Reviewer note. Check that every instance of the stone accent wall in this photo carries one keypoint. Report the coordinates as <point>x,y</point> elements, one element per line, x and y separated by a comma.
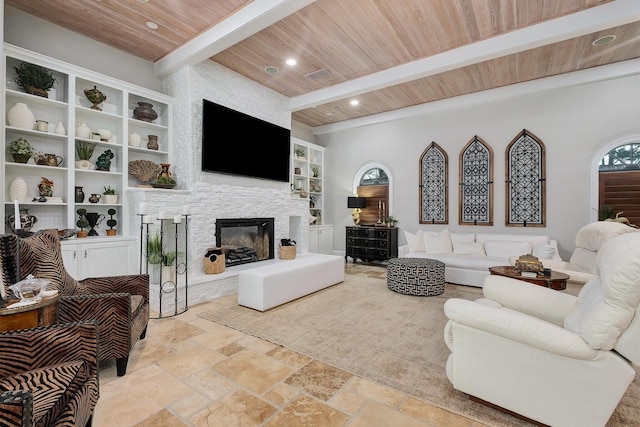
<point>209,195</point>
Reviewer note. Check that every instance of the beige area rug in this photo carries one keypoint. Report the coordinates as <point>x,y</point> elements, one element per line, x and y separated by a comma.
<point>362,327</point>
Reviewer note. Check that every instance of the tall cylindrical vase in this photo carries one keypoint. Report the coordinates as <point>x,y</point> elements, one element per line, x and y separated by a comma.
<point>19,190</point>
<point>20,116</point>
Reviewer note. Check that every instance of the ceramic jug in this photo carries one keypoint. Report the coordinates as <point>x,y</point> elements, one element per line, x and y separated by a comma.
<point>60,130</point>
<point>53,160</point>
<point>95,198</point>
<point>83,131</point>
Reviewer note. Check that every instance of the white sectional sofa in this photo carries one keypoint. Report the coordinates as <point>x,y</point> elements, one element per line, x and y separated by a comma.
<point>468,256</point>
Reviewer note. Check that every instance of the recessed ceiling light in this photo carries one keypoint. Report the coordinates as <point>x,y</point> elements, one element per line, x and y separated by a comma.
<point>337,107</point>
<point>291,62</point>
<point>143,1</point>
<point>603,40</point>
<point>354,102</point>
<point>271,70</point>
<point>152,25</point>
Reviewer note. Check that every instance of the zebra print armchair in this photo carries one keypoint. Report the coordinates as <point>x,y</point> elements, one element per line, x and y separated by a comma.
<point>120,304</point>
<point>49,375</point>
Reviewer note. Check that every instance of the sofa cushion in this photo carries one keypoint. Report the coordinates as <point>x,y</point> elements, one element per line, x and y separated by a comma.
<point>415,241</point>
<point>506,248</point>
<point>483,237</point>
<point>437,243</point>
<point>607,303</point>
<point>463,237</point>
<point>594,235</point>
<point>468,248</point>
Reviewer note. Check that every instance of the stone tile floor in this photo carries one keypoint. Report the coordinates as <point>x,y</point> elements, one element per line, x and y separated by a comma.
<point>192,372</point>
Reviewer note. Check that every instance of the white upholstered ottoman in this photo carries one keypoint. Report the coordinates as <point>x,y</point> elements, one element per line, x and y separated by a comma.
<point>265,287</point>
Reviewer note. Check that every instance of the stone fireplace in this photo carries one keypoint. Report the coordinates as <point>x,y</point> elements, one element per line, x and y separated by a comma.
<point>245,240</point>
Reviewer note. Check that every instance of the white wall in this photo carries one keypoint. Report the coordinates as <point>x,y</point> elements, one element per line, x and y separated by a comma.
<point>573,123</point>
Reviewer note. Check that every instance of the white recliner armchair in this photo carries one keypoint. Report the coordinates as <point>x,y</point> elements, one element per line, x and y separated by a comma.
<point>589,239</point>
<point>552,357</point>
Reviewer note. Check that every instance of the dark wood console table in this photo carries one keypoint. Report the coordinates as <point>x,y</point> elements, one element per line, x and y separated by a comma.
<point>371,243</point>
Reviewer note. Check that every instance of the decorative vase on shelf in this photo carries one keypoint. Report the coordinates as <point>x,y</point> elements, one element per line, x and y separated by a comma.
<point>27,221</point>
<point>95,198</point>
<point>21,158</point>
<point>79,195</point>
<point>145,112</point>
<point>18,189</point>
<point>60,130</point>
<point>20,116</point>
<point>153,142</point>
<point>83,131</point>
<point>134,140</point>
<point>84,164</point>
<point>95,96</point>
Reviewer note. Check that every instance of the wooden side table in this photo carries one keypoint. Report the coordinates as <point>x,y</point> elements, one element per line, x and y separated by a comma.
<point>555,280</point>
<point>42,313</point>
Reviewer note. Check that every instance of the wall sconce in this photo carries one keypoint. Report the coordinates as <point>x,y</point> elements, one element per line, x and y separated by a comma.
<point>357,204</point>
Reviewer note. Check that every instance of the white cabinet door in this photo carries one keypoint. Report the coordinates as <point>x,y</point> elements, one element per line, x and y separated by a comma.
<point>100,259</point>
<point>70,260</point>
<point>321,239</point>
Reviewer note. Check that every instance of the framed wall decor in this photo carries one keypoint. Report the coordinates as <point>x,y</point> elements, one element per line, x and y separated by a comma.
<point>525,189</point>
<point>433,186</point>
<point>475,189</point>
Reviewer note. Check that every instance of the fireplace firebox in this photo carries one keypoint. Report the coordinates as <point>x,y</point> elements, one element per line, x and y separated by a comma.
<point>245,239</point>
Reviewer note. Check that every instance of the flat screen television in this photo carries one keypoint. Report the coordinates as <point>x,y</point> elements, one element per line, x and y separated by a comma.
<point>236,143</point>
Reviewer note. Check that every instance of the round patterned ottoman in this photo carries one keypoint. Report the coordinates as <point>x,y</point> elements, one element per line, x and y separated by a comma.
<point>415,276</point>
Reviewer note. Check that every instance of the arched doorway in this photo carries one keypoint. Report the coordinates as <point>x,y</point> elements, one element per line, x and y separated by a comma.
<point>374,182</point>
<point>615,180</point>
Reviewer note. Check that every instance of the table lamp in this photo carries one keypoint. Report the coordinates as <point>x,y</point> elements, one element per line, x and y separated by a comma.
<point>357,204</point>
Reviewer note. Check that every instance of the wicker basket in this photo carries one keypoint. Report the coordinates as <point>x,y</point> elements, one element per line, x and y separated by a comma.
<point>216,266</point>
<point>287,252</point>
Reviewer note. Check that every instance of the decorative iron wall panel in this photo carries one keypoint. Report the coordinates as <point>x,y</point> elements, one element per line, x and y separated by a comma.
<point>525,181</point>
<point>433,186</point>
<point>476,184</point>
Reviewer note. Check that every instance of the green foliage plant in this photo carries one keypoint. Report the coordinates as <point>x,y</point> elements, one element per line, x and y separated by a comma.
<point>82,222</point>
<point>34,78</point>
<point>156,254</point>
<point>109,191</point>
<point>21,147</point>
<point>84,149</point>
<point>165,180</point>
<point>111,222</point>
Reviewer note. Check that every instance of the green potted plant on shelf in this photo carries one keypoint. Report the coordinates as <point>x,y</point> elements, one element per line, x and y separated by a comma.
<point>316,171</point>
<point>84,151</point>
<point>109,195</point>
<point>34,79</point>
<point>82,222</point>
<point>165,182</point>
<point>111,222</point>
<point>299,152</point>
<point>21,150</point>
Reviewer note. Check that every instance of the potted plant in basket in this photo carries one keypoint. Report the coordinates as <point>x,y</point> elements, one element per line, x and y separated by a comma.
<point>111,223</point>
<point>109,195</point>
<point>21,150</point>
<point>84,151</point>
<point>34,79</point>
<point>82,222</point>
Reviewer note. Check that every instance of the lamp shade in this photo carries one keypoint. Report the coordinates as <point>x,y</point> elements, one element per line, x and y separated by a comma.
<point>356,202</point>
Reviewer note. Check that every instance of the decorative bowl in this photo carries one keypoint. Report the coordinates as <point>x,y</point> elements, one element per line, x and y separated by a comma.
<point>66,233</point>
<point>29,289</point>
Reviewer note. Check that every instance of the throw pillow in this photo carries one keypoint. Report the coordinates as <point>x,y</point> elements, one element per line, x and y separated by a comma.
<point>437,244</point>
<point>544,251</point>
<point>462,238</point>
<point>415,241</point>
<point>468,248</point>
<point>505,248</point>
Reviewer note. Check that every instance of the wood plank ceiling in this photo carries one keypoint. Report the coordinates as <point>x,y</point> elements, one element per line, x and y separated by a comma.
<point>337,43</point>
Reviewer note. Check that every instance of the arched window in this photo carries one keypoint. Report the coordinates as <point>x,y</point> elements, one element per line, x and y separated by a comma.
<point>433,186</point>
<point>475,191</point>
<point>525,181</point>
<point>374,182</point>
<point>623,157</point>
